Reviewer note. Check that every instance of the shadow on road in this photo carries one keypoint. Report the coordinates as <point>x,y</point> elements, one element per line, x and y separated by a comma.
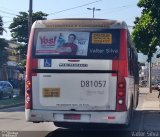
<point>100,133</point>
<point>144,122</point>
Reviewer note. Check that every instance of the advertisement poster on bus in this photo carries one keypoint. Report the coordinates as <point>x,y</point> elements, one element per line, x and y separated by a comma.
<point>62,43</point>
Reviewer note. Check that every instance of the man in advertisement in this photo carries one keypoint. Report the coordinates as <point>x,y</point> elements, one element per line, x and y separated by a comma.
<point>69,48</point>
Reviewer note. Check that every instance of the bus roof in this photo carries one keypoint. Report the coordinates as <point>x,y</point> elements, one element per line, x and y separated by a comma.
<point>80,23</point>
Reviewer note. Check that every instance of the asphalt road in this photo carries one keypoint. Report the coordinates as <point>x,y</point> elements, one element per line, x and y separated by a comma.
<point>13,119</point>
<point>145,122</point>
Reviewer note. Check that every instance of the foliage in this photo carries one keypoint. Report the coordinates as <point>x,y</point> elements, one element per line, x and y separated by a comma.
<point>22,88</point>
<point>3,45</point>
<point>158,56</point>
<point>1,26</point>
<point>19,30</point>
<point>3,52</point>
<point>146,33</point>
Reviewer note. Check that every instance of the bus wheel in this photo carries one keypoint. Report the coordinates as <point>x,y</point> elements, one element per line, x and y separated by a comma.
<point>131,111</point>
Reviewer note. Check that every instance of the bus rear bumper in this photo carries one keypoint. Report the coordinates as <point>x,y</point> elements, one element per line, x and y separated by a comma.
<point>110,117</point>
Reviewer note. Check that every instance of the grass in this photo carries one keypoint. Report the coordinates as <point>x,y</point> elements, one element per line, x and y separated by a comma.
<point>10,102</point>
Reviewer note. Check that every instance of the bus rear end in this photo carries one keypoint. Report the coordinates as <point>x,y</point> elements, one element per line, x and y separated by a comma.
<point>89,86</point>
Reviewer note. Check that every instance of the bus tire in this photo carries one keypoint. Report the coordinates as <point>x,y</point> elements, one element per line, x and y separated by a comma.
<point>130,113</point>
<point>136,98</point>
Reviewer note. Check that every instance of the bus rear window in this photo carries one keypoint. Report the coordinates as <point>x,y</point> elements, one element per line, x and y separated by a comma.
<point>99,44</point>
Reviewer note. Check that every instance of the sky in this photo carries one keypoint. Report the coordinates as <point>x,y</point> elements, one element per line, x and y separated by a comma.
<point>125,10</point>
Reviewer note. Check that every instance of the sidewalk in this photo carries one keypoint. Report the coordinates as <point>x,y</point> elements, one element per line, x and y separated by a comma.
<point>151,101</point>
<point>143,90</point>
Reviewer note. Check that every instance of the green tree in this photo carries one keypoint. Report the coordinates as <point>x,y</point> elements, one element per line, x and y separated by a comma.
<point>1,26</point>
<point>3,45</point>
<point>3,52</point>
<point>19,30</point>
<point>146,32</point>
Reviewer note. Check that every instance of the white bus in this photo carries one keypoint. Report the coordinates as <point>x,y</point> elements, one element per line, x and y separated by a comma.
<point>81,71</point>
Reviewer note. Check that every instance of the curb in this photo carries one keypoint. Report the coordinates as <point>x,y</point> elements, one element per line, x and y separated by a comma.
<point>13,105</point>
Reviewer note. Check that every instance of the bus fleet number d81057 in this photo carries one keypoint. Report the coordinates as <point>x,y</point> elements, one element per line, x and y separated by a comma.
<point>90,83</point>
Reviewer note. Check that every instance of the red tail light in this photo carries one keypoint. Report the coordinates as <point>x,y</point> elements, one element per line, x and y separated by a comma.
<point>29,73</point>
<point>121,94</point>
<point>122,66</point>
<point>28,98</point>
<point>31,64</point>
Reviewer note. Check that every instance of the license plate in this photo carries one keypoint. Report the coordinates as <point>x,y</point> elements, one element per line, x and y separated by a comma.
<point>72,116</point>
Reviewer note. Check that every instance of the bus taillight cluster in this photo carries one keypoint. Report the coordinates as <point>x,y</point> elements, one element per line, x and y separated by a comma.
<point>121,94</point>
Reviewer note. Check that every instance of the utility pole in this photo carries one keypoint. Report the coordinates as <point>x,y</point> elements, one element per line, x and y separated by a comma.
<point>150,76</point>
<point>93,9</point>
<point>30,17</point>
<point>150,73</point>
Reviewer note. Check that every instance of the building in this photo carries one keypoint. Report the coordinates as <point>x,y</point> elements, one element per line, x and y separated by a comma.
<point>10,70</point>
<point>155,71</point>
